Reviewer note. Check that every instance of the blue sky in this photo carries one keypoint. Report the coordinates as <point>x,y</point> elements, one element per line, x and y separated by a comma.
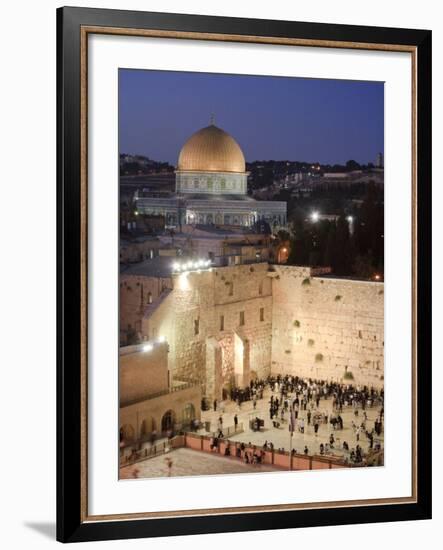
<point>279,118</point>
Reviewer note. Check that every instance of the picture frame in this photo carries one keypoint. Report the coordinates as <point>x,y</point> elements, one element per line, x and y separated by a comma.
<point>74,26</point>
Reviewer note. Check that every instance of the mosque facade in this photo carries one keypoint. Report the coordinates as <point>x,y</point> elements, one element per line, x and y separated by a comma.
<point>211,187</point>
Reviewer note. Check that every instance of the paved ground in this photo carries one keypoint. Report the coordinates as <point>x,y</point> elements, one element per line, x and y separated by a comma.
<point>280,437</point>
<point>186,462</point>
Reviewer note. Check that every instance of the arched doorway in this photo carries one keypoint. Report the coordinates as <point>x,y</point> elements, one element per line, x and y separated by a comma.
<point>127,433</point>
<point>168,421</point>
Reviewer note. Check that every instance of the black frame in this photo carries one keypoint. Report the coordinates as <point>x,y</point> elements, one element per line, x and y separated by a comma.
<point>70,527</point>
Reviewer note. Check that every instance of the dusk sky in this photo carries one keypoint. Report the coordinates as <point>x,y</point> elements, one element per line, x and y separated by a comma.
<point>272,118</point>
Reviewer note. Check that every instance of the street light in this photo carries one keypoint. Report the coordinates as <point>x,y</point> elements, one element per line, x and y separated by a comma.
<point>315,216</point>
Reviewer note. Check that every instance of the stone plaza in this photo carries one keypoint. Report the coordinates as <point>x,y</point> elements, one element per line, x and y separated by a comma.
<point>221,423</point>
<point>186,462</point>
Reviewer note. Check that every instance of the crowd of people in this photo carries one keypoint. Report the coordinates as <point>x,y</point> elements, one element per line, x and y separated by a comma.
<point>296,403</point>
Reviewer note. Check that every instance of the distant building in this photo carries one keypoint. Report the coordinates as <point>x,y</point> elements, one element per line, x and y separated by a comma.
<point>379,161</point>
<point>137,248</point>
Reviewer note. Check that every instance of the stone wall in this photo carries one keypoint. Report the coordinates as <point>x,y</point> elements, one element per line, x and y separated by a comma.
<point>210,305</point>
<point>143,372</point>
<point>324,327</point>
<point>140,419</point>
<point>227,325</point>
<point>136,294</point>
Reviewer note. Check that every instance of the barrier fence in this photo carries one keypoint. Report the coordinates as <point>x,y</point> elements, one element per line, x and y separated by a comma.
<point>283,460</point>
<point>230,430</point>
<point>152,451</point>
<point>280,459</point>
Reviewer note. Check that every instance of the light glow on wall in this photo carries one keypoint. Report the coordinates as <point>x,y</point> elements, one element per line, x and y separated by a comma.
<point>191,265</point>
<point>183,283</point>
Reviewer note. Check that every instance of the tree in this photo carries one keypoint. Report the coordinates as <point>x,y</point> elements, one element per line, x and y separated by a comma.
<point>330,246</point>
<point>363,267</point>
<point>353,165</point>
<point>342,264</point>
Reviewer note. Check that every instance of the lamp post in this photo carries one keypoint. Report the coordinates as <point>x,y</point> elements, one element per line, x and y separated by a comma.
<point>350,220</point>
<point>290,445</point>
<point>291,431</point>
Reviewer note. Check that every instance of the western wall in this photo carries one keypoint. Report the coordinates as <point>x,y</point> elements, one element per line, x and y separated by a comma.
<point>328,328</point>
<point>229,324</point>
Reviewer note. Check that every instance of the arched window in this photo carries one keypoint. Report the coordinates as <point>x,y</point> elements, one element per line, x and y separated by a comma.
<point>127,433</point>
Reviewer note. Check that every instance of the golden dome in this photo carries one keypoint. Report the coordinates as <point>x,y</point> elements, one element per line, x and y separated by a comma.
<point>211,150</point>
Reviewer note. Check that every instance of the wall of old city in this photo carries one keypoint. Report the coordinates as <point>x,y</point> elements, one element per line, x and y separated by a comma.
<point>137,292</point>
<point>206,316</point>
<point>143,371</point>
<point>142,418</point>
<point>324,327</point>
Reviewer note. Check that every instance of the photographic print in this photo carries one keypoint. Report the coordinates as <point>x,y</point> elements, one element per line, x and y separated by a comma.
<point>226,230</point>
<point>251,286</point>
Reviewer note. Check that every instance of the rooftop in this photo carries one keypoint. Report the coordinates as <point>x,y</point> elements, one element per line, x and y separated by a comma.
<point>160,266</point>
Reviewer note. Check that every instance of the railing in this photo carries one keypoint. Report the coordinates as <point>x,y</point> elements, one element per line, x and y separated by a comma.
<point>154,450</point>
<point>282,460</point>
<point>230,430</point>
<point>173,389</point>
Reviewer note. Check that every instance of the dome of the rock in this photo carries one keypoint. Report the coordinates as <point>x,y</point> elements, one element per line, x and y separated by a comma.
<point>211,149</point>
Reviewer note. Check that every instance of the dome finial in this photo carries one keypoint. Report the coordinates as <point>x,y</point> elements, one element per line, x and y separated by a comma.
<point>212,119</point>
